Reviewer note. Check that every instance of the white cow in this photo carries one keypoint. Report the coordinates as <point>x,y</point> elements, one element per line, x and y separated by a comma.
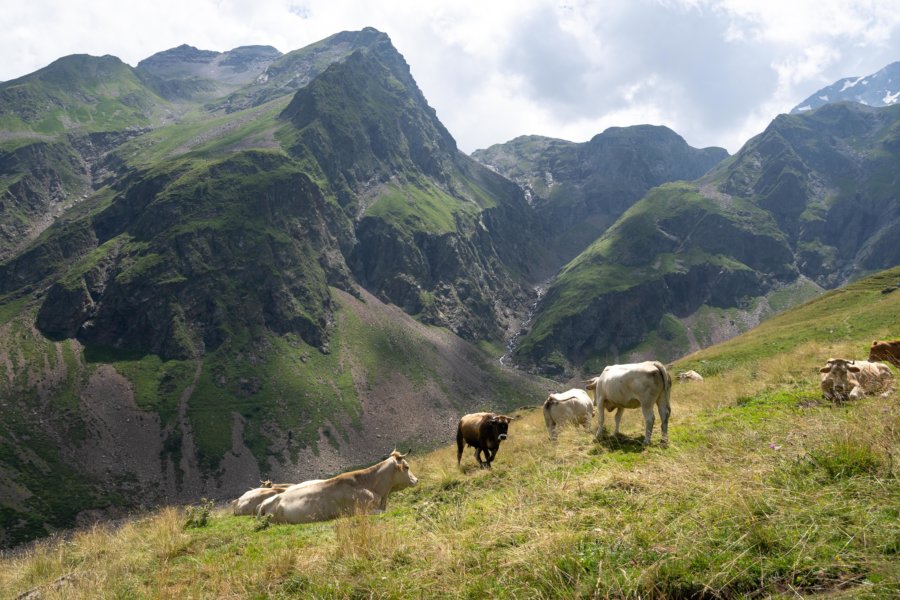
<point>571,406</point>
<point>843,379</point>
<point>630,386</point>
<point>365,491</point>
<point>691,375</point>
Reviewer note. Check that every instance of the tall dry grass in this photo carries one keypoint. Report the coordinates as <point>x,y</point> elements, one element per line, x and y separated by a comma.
<point>764,490</point>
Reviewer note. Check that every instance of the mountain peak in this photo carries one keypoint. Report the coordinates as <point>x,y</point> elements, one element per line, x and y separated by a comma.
<point>878,89</point>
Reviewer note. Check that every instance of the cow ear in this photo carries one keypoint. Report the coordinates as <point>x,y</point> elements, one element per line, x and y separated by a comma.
<point>824,369</point>
<point>853,369</point>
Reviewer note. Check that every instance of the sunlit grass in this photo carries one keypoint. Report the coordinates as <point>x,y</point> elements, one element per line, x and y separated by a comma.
<point>764,490</point>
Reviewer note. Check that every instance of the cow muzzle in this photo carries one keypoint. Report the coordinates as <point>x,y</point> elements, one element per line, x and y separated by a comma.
<point>502,436</point>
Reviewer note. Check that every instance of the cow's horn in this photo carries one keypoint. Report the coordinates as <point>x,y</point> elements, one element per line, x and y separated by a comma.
<point>407,453</point>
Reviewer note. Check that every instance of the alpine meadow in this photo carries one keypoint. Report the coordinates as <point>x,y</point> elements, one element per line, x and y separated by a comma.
<point>220,270</point>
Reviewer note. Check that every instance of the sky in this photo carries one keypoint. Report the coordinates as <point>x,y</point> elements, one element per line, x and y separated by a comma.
<point>715,71</point>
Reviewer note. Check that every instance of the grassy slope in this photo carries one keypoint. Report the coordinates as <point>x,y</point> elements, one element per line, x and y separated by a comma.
<point>620,260</point>
<point>763,491</point>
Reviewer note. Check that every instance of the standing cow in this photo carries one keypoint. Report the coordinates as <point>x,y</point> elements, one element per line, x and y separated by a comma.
<point>571,406</point>
<point>843,379</point>
<point>631,386</point>
<point>483,431</point>
<point>885,351</point>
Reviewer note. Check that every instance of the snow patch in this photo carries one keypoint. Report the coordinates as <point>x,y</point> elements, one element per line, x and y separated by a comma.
<point>824,98</point>
<point>890,98</point>
<point>849,84</point>
<point>804,108</point>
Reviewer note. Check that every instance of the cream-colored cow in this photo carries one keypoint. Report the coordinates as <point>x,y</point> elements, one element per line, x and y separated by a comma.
<point>571,406</point>
<point>843,379</point>
<point>364,491</point>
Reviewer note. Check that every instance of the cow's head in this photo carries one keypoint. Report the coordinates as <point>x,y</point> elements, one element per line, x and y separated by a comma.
<point>500,426</point>
<point>403,477</point>
<point>839,370</point>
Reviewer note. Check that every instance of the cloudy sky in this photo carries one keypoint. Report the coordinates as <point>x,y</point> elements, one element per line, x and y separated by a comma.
<point>715,71</point>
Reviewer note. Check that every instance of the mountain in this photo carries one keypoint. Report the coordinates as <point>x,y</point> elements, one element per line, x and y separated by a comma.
<point>57,128</point>
<point>810,203</point>
<point>579,190</point>
<point>186,72</point>
<point>878,89</point>
<point>219,302</point>
<point>764,487</point>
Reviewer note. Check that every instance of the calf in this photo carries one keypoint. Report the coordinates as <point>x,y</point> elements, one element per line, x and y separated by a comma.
<point>572,406</point>
<point>885,351</point>
<point>843,379</point>
<point>483,431</point>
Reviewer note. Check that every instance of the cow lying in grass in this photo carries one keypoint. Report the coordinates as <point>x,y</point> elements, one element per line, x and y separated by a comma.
<point>886,352</point>
<point>364,491</point>
<point>251,499</point>
<point>843,380</point>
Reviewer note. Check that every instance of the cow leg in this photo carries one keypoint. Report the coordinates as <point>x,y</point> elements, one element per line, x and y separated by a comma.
<point>600,417</point>
<point>478,457</point>
<point>664,411</point>
<point>619,412</point>
<point>489,456</point>
<point>648,421</point>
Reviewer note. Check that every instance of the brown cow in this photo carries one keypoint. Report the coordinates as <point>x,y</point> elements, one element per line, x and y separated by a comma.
<point>885,351</point>
<point>483,431</point>
<point>852,379</point>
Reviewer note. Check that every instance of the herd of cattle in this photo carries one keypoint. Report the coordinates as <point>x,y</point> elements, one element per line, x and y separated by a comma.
<point>639,385</point>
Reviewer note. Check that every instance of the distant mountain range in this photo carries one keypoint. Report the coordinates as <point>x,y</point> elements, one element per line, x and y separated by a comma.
<point>221,267</point>
<point>878,89</point>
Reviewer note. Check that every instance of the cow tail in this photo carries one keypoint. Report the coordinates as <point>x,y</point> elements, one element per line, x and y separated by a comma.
<point>548,418</point>
<point>459,443</point>
<point>667,385</point>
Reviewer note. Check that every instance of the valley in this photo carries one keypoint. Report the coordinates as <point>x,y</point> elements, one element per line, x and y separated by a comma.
<point>223,267</point>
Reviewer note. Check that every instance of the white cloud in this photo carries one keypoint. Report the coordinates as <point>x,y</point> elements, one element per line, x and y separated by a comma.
<point>715,71</point>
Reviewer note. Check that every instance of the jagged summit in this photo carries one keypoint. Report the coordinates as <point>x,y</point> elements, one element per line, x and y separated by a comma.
<point>240,65</point>
<point>878,89</point>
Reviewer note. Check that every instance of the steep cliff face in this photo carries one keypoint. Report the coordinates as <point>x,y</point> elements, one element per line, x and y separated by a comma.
<point>578,190</point>
<point>807,204</point>
<point>220,250</point>
<point>201,316</point>
<point>430,233</point>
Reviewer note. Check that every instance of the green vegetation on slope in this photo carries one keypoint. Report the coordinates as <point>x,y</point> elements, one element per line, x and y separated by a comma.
<point>764,491</point>
<point>79,92</point>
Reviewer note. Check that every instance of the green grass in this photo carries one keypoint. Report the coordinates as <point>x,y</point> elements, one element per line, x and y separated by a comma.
<point>834,317</point>
<point>422,206</point>
<point>764,490</point>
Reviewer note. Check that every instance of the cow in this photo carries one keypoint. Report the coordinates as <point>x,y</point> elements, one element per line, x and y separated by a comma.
<point>358,492</point>
<point>251,499</point>
<point>483,431</point>
<point>686,376</point>
<point>885,351</point>
<point>630,386</point>
<point>843,379</point>
<point>571,406</point>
